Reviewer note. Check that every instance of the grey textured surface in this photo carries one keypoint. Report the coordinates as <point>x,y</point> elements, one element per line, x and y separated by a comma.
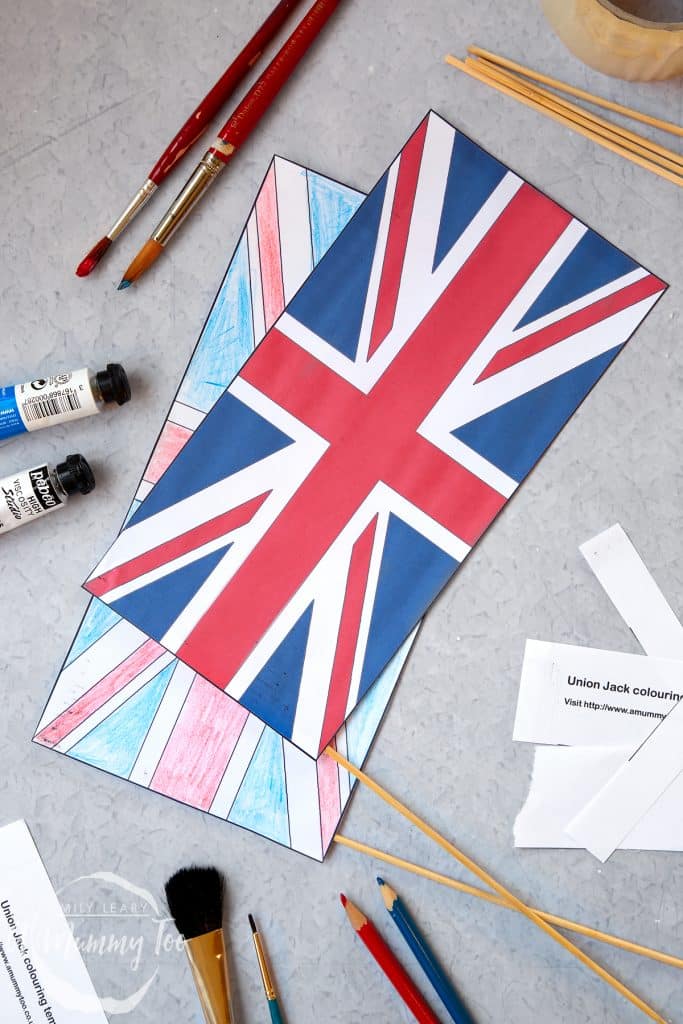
<point>90,91</point>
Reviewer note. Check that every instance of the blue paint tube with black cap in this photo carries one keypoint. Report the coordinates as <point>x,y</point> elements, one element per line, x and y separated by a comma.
<point>47,401</point>
<point>32,493</point>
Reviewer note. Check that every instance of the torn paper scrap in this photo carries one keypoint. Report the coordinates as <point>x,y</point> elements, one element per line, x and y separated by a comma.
<point>632,790</point>
<point>634,593</point>
<point>565,778</point>
<point>585,696</point>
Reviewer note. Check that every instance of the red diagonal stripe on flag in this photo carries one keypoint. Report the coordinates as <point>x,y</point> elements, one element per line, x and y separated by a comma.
<point>572,324</point>
<point>354,598</point>
<point>172,549</point>
<point>397,238</point>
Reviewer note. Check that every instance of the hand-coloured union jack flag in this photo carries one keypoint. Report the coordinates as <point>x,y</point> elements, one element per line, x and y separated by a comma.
<point>386,418</point>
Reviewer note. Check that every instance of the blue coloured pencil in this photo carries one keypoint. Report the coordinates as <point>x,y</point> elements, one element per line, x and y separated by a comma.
<point>420,948</point>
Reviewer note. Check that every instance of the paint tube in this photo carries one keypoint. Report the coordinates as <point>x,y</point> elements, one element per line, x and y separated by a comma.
<point>46,401</point>
<point>32,493</point>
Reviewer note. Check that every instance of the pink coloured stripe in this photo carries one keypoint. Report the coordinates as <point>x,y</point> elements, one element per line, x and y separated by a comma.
<point>200,746</point>
<point>329,796</point>
<point>269,250</point>
<point>171,440</point>
<point>98,695</point>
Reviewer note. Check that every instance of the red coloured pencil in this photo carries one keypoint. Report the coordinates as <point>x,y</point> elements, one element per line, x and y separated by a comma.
<point>194,127</point>
<point>233,134</point>
<point>401,981</point>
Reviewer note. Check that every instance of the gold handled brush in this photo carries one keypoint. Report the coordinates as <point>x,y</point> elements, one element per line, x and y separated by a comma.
<point>195,899</point>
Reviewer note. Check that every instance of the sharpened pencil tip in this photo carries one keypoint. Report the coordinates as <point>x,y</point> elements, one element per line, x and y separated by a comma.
<point>123,284</point>
<point>380,881</point>
<point>343,899</point>
<point>252,922</point>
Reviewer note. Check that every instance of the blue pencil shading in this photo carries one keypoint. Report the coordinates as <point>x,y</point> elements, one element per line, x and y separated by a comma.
<point>420,948</point>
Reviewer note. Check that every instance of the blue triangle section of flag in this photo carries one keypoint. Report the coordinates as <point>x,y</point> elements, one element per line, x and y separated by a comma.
<point>514,436</point>
<point>473,175</point>
<point>261,803</point>
<point>332,206</point>
<point>593,263</point>
<point>332,301</point>
<point>213,453</point>
<point>155,607</point>
<point>115,743</point>
<point>412,571</point>
<point>274,693</point>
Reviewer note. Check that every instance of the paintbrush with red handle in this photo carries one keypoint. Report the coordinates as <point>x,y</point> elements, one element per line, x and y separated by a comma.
<point>194,127</point>
<point>235,132</point>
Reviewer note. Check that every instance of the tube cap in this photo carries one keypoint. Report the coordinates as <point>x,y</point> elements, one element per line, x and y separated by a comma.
<point>113,384</point>
<point>75,475</point>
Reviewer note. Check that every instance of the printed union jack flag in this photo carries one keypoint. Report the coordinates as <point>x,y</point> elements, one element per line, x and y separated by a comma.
<point>411,384</point>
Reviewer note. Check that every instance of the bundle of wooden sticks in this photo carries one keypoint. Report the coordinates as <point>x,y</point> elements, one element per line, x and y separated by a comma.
<point>521,83</point>
<point>500,894</point>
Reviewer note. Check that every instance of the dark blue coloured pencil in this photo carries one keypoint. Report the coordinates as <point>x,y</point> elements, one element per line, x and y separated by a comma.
<point>420,948</point>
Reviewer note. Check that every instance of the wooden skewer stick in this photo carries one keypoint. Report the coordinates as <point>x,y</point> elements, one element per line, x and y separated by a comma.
<point>624,136</point>
<point>572,90</point>
<point>482,894</point>
<point>492,883</point>
<point>589,133</point>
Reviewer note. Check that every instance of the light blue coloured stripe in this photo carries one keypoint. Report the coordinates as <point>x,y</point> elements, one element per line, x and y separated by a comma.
<point>115,743</point>
<point>134,506</point>
<point>261,804</point>
<point>98,620</point>
<point>227,339</point>
<point>363,722</point>
<point>332,205</point>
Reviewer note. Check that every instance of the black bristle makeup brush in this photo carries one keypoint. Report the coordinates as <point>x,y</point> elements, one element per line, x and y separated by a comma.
<point>195,898</point>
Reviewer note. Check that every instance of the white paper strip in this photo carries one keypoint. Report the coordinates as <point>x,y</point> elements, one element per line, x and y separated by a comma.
<point>633,789</point>
<point>637,785</point>
<point>563,781</point>
<point>634,593</point>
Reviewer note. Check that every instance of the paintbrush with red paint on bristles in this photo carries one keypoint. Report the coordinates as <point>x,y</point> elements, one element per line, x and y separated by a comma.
<point>233,134</point>
<point>193,128</point>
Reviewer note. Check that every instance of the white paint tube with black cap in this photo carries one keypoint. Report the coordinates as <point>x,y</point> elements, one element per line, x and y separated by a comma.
<point>32,493</point>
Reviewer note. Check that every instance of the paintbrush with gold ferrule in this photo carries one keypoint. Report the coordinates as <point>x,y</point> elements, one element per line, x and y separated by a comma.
<point>233,133</point>
<point>195,899</point>
<point>194,127</point>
